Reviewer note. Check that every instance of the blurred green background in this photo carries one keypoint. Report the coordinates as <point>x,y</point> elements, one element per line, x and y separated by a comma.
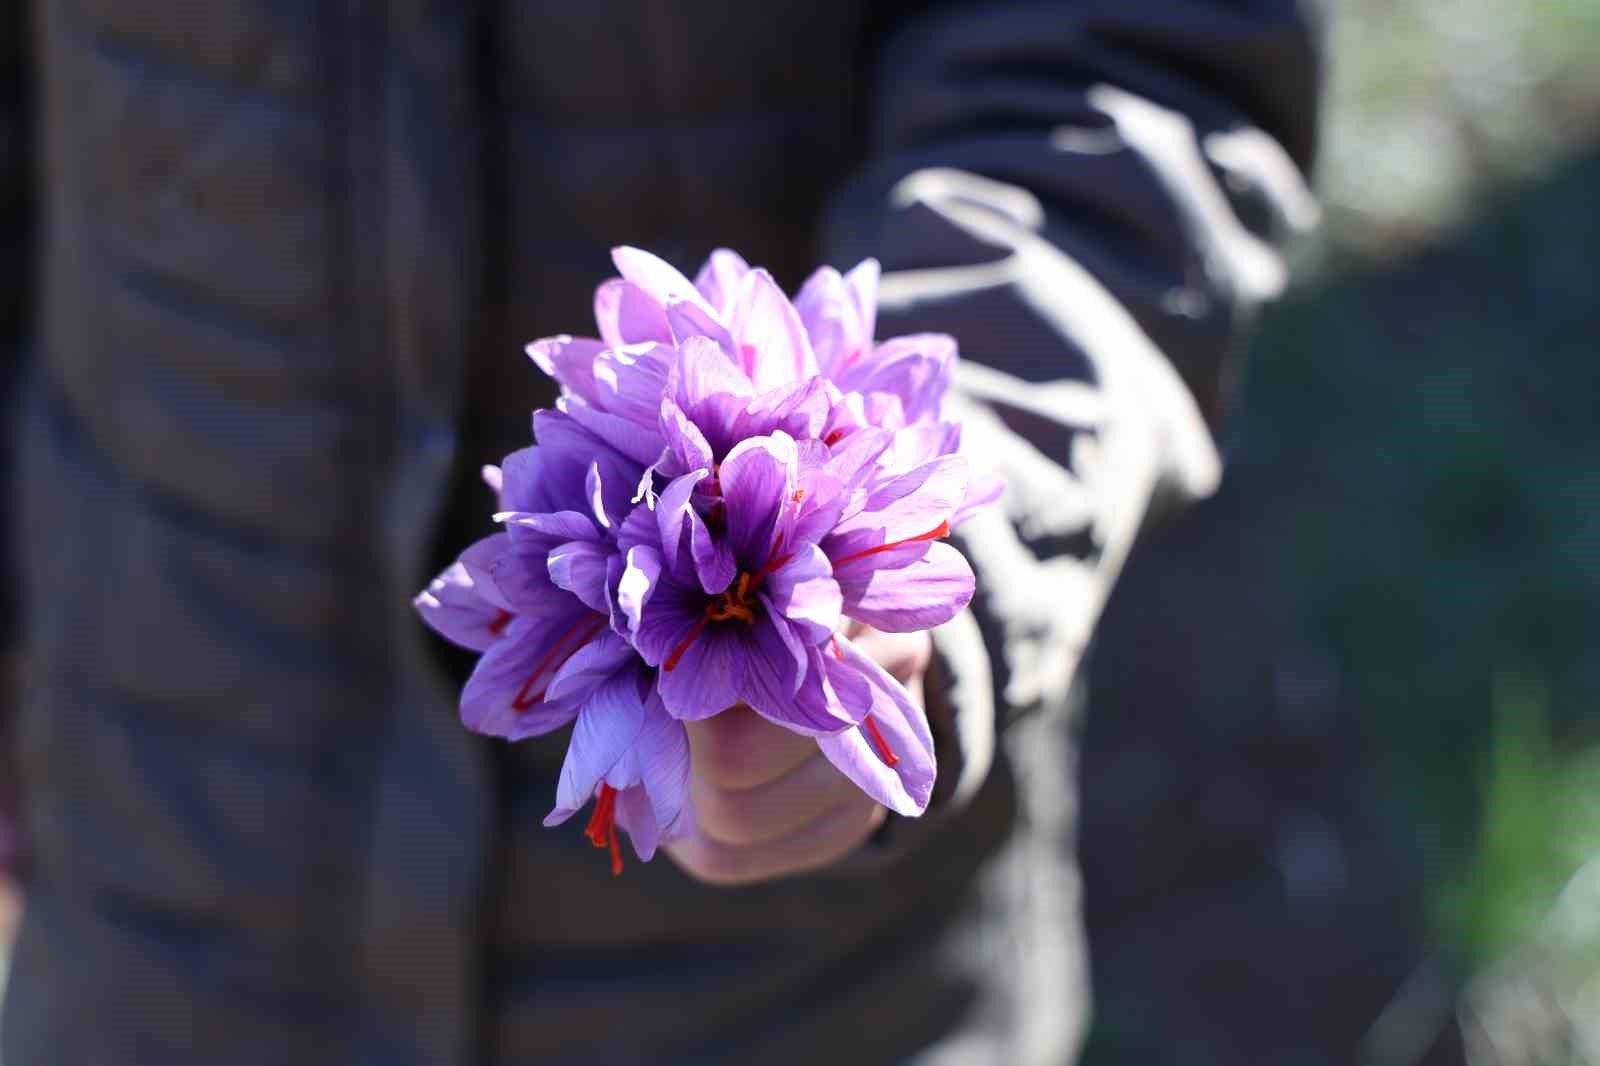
<point>1357,816</point>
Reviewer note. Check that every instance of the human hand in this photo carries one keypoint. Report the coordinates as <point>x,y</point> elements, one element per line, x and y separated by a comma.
<point>767,803</point>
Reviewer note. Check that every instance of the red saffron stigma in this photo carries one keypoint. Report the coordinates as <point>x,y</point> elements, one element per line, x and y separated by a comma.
<point>890,759</point>
<point>602,827</point>
<point>833,438</point>
<point>943,530</point>
<point>589,627</point>
<point>501,620</point>
<point>677,653</point>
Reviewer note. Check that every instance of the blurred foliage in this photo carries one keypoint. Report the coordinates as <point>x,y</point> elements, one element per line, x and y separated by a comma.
<point>1422,416</point>
<point>1540,826</point>
<point>1432,103</point>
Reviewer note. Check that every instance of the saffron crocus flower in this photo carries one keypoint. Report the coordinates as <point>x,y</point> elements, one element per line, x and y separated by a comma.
<point>753,636</point>
<point>727,476</point>
<point>534,600</point>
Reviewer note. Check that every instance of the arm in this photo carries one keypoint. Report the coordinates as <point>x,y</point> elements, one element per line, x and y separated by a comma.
<point>1092,197</point>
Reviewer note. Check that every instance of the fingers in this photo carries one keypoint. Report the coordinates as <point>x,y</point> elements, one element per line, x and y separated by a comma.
<point>821,842</point>
<point>773,810</point>
<point>767,802</point>
<point>738,749</point>
<point>905,656</point>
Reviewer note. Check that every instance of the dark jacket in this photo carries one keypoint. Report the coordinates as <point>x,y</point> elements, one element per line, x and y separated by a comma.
<point>286,256</point>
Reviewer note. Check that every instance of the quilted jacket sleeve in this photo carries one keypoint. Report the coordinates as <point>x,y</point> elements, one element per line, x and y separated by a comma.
<point>1092,197</point>
<point>15,267</point>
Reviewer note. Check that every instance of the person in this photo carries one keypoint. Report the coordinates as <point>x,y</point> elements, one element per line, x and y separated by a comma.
<point>284,257</point>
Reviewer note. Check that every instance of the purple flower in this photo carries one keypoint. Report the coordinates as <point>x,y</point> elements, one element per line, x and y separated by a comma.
<point>812,534</point>
<point>726,477</point>
<point>535,600</point>
<point>748,630</point>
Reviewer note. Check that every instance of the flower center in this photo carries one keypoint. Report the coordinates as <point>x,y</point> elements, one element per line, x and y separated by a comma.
<point>736,601</point>
<point>602,827</point>
<point>733,603</point>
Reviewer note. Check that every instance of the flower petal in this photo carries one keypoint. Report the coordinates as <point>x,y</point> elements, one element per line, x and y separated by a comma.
<point>915,369</point>
<point>580,567</point>
<point>703,681</point>
<point>803,591</point>
<point>718,280</point>
<point>684,439</point>
<point>772,343</point>
<point>608,724</point>
<point>496,699</point>
<point>659,279</point>
<point>453,608</point>
<point>593,663</point>
<point>689,321</point>
<point>758,483</point>
<point>479,560</point>
<point>570,360</point>
<point>914,586</point>
<point>626,314</point>
<point>830,698</point>
<point>911,505</point>
<point>905,787</point>
<point>662,757</point>
<point>638,581</point>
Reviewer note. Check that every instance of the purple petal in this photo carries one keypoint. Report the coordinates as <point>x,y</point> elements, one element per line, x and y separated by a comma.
<point>687,444</point>
<point>570,360</point>
<point>718,280</point>
<point>911,587</point>
<point>985,488</point>
<point>636,815</point>
<point>662,756</point>
<point>711,557</point>
<point>689,321</point>
<point>452,608</point>
<point>479,560</point>
<point>912,505</point>
<point>491,477</point>
<point>905,787</point>
<point>914,369</point>
<point>541,532</point>
<point>499,699</point>
<point>639,442</point>
<point>829,316</point>
<point>702,682</point>
<point>758,483</point>
<point>659,279</point>
<point>580,568</point>
<point>593,663</point>
<point>772,343</point>
<point>609,722</point>
<point>912,446</point>
<point>626,314</point>
<point>638,581</point>
<point>702,371</point>
<point>798,408</point>
<point>567,454</point>
<point>862,281</point>
<point>831,698</point>
<point>803,591</point>
<point>770,666</point>
<point>629,382</point>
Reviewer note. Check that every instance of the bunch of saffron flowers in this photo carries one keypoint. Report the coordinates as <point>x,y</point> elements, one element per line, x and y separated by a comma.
<point>726,478</point>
